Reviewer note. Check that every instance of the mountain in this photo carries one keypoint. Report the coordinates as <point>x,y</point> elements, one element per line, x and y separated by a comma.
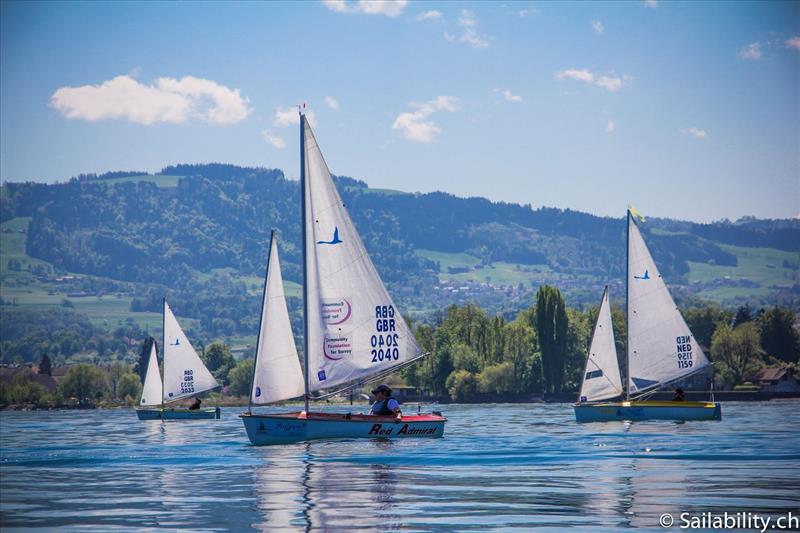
<point>199,233</point>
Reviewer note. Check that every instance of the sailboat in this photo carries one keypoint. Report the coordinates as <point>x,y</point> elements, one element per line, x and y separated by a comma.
<point>353,333</point>
<point>185,375</point>
<point>661,350</point>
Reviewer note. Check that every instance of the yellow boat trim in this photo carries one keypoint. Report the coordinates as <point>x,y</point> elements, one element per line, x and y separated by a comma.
<point>654,403</point>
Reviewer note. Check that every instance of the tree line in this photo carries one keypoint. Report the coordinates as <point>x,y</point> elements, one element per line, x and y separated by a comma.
<point>474,356</point>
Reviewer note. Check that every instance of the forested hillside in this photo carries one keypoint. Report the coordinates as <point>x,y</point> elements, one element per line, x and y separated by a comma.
<point>198,234</point>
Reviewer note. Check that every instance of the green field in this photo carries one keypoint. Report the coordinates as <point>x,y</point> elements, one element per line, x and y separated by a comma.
<point>498,273</point>
<point>13,235</point>
<point>446,260</point>
<point>760,265</point>
<point>161,180</point>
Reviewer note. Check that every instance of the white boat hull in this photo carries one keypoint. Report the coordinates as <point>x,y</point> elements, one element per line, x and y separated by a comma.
<point>647,410</point>
<point>287,428</point>
<point>156,413</point>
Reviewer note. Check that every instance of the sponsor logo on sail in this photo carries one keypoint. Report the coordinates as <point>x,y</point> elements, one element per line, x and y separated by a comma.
<point>337,347</point>
<point>177,342</point>
<point>335,312</point>
<point>321,375</point>
<point>335,239</point>
<point>258,392</point>
<point>646,275</point>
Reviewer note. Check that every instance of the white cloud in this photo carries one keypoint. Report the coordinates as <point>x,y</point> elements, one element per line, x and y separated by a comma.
<point>522,13</point>
<point>168,100</point>
<point>611,84</point>
<point>430,15</point>
<point>469,32</point>
<point>416,126</point>
<point>508,96</point>
<point>793,42</point>
<point>697,133</point>
<point>467,19</point>
<point>751,51</point>
<point>611,127</point>
<point>390,8</point>
<point>290,116</point>
<point>652,4</point>
<point>331,102</point>
<point>598,26</point>
<point>274,140</point>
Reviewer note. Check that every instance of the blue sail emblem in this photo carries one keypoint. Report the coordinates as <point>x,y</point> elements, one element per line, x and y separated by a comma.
<point>177,342</point>
<point>646,275</point>
<point>335,240</point>
<point>258,392</point>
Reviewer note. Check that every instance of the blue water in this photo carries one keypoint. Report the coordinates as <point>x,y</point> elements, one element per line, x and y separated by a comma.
<point>499,467</point>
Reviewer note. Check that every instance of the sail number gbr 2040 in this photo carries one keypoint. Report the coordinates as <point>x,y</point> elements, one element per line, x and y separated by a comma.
<point>384,341</point>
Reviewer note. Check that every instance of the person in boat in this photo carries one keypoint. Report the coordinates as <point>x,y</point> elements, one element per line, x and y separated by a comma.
<point>196,405</point>
<point>384,404</point>
<point>678,397</point>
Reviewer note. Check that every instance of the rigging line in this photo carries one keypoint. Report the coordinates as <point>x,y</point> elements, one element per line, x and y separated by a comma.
<point>657,387</point>
<point>374,377</point>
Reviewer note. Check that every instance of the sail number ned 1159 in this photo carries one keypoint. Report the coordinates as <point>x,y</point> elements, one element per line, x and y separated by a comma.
<point>384,341</point>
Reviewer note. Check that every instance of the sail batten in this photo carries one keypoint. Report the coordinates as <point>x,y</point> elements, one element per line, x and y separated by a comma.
<point>661,348</point>
<point>184,372</point>
<point>277,375</point>
<point>353,328</point>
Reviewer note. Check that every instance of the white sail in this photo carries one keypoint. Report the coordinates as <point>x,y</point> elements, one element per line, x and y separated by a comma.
<point>354,329</point>
<point>184,372</point>
<point>277,375</point>
<point>151,392</point>
<point>660,346</point>
<point>601,379</point>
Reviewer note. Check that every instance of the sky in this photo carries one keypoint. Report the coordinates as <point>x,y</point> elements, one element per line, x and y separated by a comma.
<point>687,110</point>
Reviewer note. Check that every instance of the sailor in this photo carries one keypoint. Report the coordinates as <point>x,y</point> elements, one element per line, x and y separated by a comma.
<point>196,405</point>
<point>384,404</point>
<point>678,395</point>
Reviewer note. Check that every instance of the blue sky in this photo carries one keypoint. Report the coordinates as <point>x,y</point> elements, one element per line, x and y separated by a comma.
<point>685,109</point>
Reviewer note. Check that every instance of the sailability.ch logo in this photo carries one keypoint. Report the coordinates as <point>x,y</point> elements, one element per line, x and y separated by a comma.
<point>335,239</point>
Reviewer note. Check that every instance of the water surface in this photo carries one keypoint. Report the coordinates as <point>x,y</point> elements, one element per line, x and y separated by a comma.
<point>505,467</point>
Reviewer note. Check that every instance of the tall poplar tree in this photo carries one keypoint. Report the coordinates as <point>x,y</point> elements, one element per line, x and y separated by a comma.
<point>551,328</point>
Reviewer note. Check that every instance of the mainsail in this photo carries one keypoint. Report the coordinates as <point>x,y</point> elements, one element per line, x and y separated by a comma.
<point>353,330</point>
<point>277,375</point>
<point>184,373</point>
<point>661,348</point>
<point>601,379</point>
<point>151,392</point>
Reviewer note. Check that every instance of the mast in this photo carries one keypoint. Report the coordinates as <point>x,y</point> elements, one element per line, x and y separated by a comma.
<point>627,306</point>
<point>305,261</point>
<point>164,344</point>
<point>260,320</point>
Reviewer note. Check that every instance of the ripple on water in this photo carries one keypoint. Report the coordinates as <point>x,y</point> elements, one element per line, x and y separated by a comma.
<point>499,466</point>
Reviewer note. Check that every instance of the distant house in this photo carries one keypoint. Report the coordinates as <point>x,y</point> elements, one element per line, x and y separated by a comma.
<point>777,380</point>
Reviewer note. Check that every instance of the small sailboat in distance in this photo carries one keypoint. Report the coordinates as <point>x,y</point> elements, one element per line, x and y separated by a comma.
<point>353,332</point>
<point>185,375</point>
<point>661,350</point>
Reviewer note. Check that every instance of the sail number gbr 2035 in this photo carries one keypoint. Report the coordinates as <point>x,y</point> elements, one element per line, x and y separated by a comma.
<point>384,341</point>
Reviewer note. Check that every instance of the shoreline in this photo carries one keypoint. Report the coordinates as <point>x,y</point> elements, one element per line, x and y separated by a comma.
<point>568,398</point>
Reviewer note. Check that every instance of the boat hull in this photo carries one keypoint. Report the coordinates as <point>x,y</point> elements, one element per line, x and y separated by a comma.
<point>647,410</point>
<point>284,428</point>
<point>156,413</point>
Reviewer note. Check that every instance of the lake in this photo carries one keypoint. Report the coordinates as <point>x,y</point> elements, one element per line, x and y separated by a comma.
<point>504,466</point>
